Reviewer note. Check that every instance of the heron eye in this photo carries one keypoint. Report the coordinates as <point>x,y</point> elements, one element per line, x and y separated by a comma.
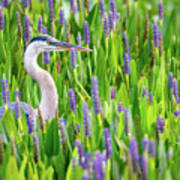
<point>48,42</point>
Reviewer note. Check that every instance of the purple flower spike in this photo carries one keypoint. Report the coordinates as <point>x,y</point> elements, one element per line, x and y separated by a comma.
<point>98,166</point>
<point>113,93</point>
<point>95,96</point>
<point>27,33</point>
<point>144,167</point>
<point>73,6</point>
<point>46,58</point>
<point>108,143</point>
<point>25,3</point>
<point>80,152</point>
<point>113,8</point>
<point>156,35</point>
<point>2,27</point>
<point>126,64</point>
<point>111,21</point>
<point>152,148</point>
<point>72,100</point>
<point>73,54</point>
<point>51,9</point>
<point>151,97</point>
<point>102,8</point>
<point>78,126</point>
<point>44,30</point>
<point>88,164</point>
<point>134,154</point>
<point>120,107</point>
<point>5,91</point>
<point>145,143</point>
<point>29,123</point>
<point>86,33</point>
<point>175,90</point>
<point>160,124</point>
<point>126,43</point>
<point>61,19</point>
<point>144,92</point>
<point>177,113</point>
<point>79,39</point>
<point>40,25</point>
<point>161,10</point>
<point>170,82</point>
<point>86,119</point>
<point>6,4</point>
<point>17,106</point>
<point>106,27</point>
<point>61,124</point>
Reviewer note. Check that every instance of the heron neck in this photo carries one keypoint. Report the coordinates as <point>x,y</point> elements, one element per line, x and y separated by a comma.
<point>49,99</point>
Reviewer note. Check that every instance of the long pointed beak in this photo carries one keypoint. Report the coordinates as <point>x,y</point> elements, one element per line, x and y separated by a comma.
<point>68,46</point>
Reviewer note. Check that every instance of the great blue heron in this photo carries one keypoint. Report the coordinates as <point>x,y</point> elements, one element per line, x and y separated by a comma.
<point>49,99</point>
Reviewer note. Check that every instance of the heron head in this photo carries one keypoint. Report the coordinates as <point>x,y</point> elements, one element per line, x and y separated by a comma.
<point>47,43</point>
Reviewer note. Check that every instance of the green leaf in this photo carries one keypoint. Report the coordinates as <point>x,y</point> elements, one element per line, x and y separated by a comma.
<point>52,139</point>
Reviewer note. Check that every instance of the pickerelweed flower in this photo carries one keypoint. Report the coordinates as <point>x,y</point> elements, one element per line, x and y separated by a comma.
<point>101,7</point>
<point>126,120</point>
<point>120,107</point>
<point>86,33</point>
<point>127,64</point>
<point>40,24</point>
<point>108,143</point>
<point>73,6</point>
<point>175,90</point>
<point>160,43</point>
<point>18,19</point>
<point>144,92</point>
<point>61,124</point>
<point>79,39</point>
<point>80,152</point>
<point>46,58</point>
<point>170,81</point>
<point>25,3</point>
<point>61,19</point>
<point>44,30</point>
<point>95,96</point>
<point>72,100</point>
<point>78,126</point>
<point>17,106</point>
<point>126,43</point>
<point>73,54</point>
<point>87,163</point>
<point>152,148</point>
<point>144,167</point>
<point>106,27</point>
<point>27,33</point>
<point>113,8</point>
<point>145,143</point>
<point>134,154</point>
<point>29,123</point>
<point>111,21</point>
<point>151,97</point>
<point>160,124</point>
<point>99,167</point>
<point>156,35</point>
<point>51,9</point>
<point>6,4</point>
<point>86,119</point>
<point>2,27</point>
<point>160,10</point>
<point>177,113</point>
<point>113,93</point>
<point>36,152</point>
<point>5,91</point>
